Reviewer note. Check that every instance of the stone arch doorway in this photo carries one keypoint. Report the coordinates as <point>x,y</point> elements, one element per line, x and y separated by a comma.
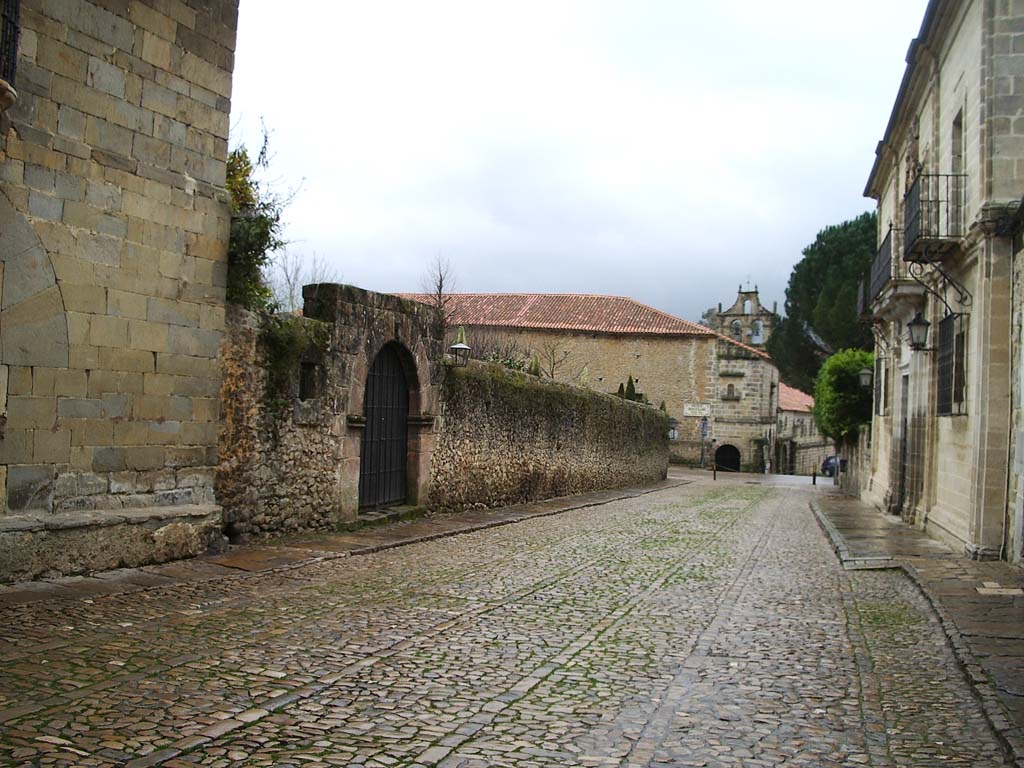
<point>727,457</point>
<point>384,452</point>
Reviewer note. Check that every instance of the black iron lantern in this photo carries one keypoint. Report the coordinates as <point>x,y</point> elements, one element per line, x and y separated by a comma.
<point>865,376</point>
<point>460,353</point>
<point>918,328</point>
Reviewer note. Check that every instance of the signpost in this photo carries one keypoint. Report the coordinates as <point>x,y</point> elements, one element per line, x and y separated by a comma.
<point>703,437</point>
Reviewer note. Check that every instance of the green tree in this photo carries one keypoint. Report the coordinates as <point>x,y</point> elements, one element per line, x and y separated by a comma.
<point>630,389</point>
<point>821,301</point>
<point>256,229</point>
<point>622,391</point>
<point>841,404</point>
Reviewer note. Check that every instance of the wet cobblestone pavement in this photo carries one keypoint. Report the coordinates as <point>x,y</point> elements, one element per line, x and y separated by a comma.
<point>703,625</point>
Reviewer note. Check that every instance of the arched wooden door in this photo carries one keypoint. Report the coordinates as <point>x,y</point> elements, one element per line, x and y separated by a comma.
<point>727,457</point>
<point>384,452</point>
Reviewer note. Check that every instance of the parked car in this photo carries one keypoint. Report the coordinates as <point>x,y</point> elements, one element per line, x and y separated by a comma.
<point>829,466</point>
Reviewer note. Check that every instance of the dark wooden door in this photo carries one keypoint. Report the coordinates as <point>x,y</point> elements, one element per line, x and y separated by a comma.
<point>384,453</point>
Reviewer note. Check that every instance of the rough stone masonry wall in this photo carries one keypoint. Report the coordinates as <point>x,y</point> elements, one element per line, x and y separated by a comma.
<point>507,437</point>
<point>676,370</point>
<point>279,456</point>
<point>288,464</point>
<point>113,248</point>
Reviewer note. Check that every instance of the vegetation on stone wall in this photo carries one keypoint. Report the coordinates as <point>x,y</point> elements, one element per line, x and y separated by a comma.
<point>286,340</point>
<point>841,404</point>
<point>509,437</point>
<point>821,301</point>
<point>255,229</point>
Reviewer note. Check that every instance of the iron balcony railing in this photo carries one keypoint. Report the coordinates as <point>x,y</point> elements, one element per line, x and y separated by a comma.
<point>933,215</point>
<point>881,270</point>
<point>9,14</point>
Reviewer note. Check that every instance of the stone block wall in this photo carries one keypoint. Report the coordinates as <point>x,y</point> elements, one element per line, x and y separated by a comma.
<point>744,410</point>
<point>800,448</point>
<point>507,437</point>
<point>113,254</point>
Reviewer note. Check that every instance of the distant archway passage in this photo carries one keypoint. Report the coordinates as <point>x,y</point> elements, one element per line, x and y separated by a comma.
<point>727,457</point>
<point>384,451</point>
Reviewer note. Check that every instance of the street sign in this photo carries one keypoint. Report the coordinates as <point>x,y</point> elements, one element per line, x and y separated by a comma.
<point>703,426</point>
<point>696,409</point>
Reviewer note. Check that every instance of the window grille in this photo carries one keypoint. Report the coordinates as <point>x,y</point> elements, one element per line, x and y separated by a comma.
<point>951,365</point>
<point>9,14</point>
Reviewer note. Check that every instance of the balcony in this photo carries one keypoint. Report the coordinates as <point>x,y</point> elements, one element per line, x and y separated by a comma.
<point>933,214</point>
<point>886,286</point>
<point>9,13</point>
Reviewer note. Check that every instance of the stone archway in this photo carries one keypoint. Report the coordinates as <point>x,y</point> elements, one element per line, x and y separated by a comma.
<point>384,448</point>
<point>727,457</point>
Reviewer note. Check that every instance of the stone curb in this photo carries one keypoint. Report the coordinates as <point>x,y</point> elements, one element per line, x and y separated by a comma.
<point>1007,733</point>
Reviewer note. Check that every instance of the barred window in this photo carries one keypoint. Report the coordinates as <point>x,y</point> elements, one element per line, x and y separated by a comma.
<point>951,365</point>
<point>9,14</point>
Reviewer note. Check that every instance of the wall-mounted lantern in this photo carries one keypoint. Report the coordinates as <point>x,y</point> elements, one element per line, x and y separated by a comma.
<point>865,376</point>
<point>460,353</point>
<point>918,328</point>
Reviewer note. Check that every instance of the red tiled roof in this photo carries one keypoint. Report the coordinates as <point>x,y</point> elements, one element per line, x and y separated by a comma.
<point>794,400</point>
<point>565,311</point>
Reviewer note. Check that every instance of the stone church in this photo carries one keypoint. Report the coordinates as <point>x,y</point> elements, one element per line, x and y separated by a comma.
<point>747,320</point>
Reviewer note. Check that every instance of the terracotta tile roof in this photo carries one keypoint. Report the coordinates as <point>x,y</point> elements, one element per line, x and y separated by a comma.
<point>566,311</point>
<point>794,400</point>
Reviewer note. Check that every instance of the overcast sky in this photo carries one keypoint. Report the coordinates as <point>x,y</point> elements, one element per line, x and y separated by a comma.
<point>659,150</point>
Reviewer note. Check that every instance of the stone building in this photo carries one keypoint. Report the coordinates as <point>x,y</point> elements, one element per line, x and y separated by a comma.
<point>948,177</point>
<point>799,446</point>
<point>113,248</point>
<point>746,320</point>
<point>697,373</point>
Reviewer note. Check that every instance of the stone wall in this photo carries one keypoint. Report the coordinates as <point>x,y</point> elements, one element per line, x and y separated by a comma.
<point>114,228</point>
<point>113,248</point>
<point>1015,501</point>
<point>279,456</point>
<point>676,370</point>
<point>507,437</point>
<point>288,463</point>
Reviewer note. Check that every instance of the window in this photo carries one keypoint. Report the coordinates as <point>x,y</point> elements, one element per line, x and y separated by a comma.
<point>757,332</point>
<point>951,365</point>
<point>9,12</point>
<point>309,381</point>
<point>956,193</point>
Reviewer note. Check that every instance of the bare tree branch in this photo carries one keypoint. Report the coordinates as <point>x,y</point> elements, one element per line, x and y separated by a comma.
<point>290,271</point>
<point>439,283</point>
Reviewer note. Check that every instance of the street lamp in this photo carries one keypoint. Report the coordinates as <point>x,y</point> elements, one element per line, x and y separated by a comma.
<point>865,376</point>
<point>918,328</point>
<point>460,354</point>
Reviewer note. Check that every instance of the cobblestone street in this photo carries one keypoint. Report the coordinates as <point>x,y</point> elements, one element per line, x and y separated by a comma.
<point>702,625</point>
